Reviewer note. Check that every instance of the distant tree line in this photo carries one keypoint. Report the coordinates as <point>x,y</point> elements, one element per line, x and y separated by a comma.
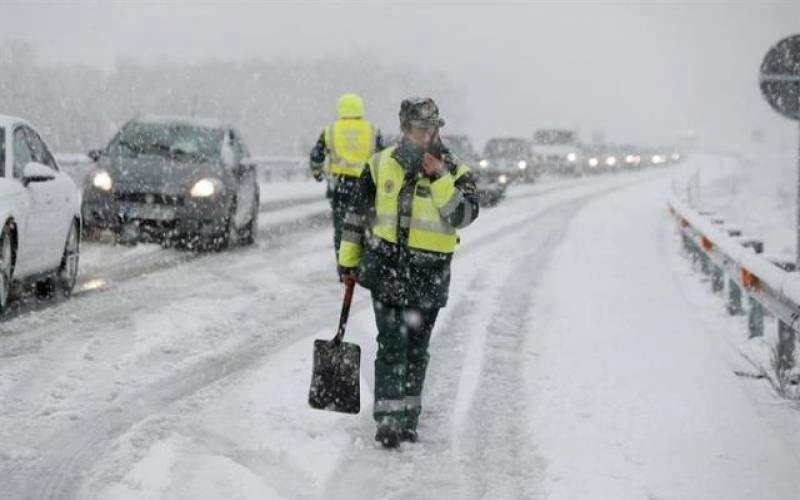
<point>279,105</point>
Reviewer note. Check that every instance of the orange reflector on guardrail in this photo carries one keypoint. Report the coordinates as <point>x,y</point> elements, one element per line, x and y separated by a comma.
<point>750,280</point>
<point>706,243</point>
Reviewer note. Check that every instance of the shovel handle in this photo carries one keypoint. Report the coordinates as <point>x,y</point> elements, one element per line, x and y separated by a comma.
<point>348,299</point>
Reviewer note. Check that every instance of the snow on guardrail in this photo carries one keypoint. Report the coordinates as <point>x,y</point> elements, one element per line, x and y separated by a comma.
<point>771,287</point>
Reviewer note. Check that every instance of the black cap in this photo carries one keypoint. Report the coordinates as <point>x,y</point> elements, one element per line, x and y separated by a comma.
<point>420,112</point>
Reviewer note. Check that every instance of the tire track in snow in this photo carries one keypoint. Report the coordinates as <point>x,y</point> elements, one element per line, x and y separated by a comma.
<point>494,427</point>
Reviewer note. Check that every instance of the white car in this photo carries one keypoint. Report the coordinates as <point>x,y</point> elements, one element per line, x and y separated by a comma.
<point>40,210</point>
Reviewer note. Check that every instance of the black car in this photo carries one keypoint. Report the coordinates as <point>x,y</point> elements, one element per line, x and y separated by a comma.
<point>174,179</point>
<point>557,151</point>
<point>630,156</point>
<point>509,156</point>
<point>491,185</point>
<point>601,158</point>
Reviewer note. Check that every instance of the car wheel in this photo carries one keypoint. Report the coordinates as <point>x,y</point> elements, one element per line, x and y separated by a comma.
<point>230,235</point>
<point>6,267</point>
<point>90,233</point>
<point>66,276</point>
<point>248,234</point>
<point>68,271</point>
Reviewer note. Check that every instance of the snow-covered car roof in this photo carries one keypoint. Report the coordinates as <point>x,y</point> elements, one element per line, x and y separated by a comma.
<point>7,120</point>
<point>183,120</point>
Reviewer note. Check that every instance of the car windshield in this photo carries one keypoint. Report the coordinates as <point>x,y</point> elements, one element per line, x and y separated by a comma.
<point>553,137</point>
<point>169,140</point>
<point>506,148</point>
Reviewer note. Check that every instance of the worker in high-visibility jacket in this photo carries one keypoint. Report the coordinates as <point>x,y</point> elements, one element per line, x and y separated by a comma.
<point>398,241</point>
<point>348,143</point>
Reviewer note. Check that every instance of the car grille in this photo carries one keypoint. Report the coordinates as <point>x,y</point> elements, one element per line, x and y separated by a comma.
<point>170,200</point>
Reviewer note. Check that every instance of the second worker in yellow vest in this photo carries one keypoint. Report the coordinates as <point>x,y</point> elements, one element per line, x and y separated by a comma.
<point>347,144</point>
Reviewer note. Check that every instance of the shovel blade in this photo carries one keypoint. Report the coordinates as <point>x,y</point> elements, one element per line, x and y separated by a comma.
<point>335,381</point>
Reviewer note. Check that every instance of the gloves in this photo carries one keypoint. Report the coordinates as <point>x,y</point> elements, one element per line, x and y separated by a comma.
<point>348,274</point>
<point>317,173</point>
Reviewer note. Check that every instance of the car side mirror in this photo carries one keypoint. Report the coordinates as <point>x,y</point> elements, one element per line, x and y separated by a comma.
<point>248,163</point>
<point>95,154</point>
<point>36,172</point>
<point>227,153</point>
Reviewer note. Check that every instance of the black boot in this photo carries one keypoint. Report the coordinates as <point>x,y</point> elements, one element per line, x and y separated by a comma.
<point>408,435</point>
<point>388,434</point>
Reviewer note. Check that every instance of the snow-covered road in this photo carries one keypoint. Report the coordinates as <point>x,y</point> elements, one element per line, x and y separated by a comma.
<point>576,359</point>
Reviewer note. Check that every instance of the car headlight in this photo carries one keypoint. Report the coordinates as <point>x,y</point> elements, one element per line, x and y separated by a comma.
<point>502,179</point>
<point>102,181</point>
<point>658,159</point>
<point>676,156</point>
<point>593,162</point>
<point>572,157</point>
<point>522,164</point>
<point>611,161</point>
<point>483,163</point>
<point>205,188</point>
<point>630,159</point>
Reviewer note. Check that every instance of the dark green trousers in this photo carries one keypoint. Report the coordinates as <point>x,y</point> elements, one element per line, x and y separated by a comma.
<point>339,211</point>
<point>340,197</point>
<point>403,337</point>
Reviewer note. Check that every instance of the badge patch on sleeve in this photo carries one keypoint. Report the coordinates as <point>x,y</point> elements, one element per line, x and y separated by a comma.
<point>388,186</point>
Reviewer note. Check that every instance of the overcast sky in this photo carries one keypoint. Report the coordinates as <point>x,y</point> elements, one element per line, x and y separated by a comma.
<point>637,70</point>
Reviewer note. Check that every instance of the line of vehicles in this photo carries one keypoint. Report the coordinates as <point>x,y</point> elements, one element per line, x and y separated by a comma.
<point>554,152</point>
<point>558,152</point>
<point>190,182</point>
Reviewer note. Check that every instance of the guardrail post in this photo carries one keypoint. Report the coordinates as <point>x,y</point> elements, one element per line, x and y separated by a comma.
<point>755,319</point>
<point>705,263</point>
<point>756,245</point>
<point>734,305</point>
<point>687,244</point>
<point>694,253</point>
<point>785,346</point>
<point>786,265</point>
<point>717,281</point>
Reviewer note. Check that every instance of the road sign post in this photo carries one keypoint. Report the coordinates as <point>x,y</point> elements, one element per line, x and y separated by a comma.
<point>779,79</point>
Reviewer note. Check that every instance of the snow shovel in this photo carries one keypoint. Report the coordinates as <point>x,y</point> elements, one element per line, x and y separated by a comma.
<point>335,379</point>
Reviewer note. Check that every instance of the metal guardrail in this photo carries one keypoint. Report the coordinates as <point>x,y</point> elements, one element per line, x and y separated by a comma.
<point>771,285</point>
<point>269,168</point>
<point>272,168</point>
